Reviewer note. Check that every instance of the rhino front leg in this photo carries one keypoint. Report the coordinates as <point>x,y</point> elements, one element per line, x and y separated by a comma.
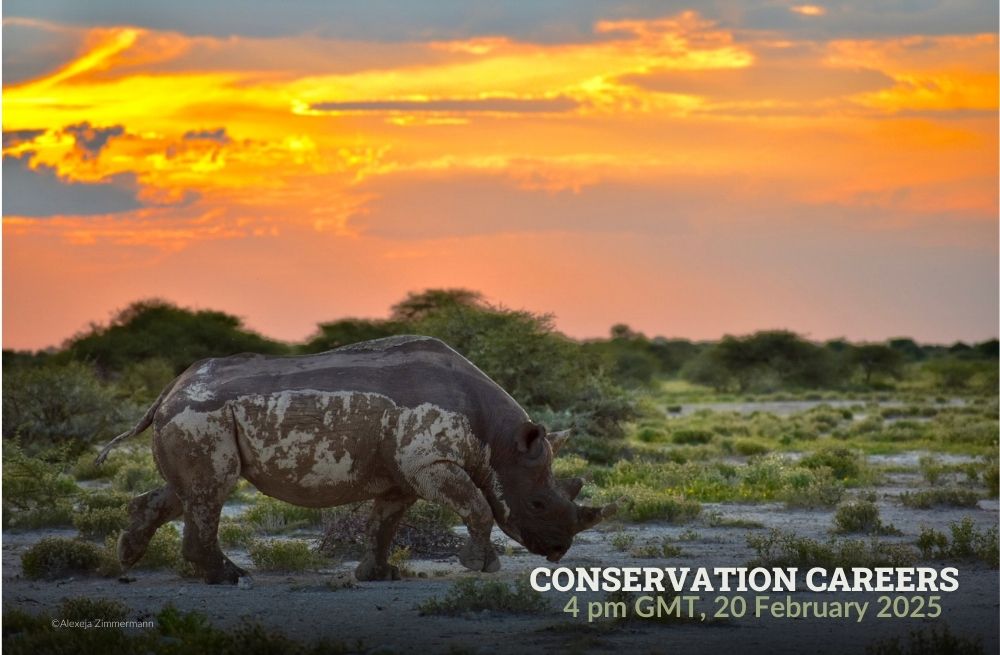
<point>448,484</point>
<point>386,514</point>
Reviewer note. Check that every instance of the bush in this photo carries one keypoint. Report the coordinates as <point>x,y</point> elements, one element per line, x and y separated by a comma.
<point>158,330</point>
<point>783,549</point>
<point>749,447</point>
<point>272,516</point>
<point>36,492</point>
<point>477,595</point>
<point>137,477</point>
<point>861,516</point>
<point>844,464</point>
<point>967,543</point>
<point>645,504</point>
<point>948,497</point>
<point>283,555</point>
<point>98,523</point>
<point>234,533</point>
<point>691,436</point>
<point>63,405</point>
<point>55,557</point>
<point>82,608</point>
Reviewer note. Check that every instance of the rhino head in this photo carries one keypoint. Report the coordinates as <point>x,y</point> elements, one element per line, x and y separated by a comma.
<point>543,516</point>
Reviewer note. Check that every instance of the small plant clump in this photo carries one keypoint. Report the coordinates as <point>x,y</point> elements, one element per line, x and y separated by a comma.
<point>99,522</point>
<point>271,516</point>
<point>57,557</point>
<point>284,555</point>
<point>861,516</point>
<point>782,548</point>
<point>947,497</point>
<point>622,541</point>
<point>966,543</point>
<point>477,595</point>
<point>171,631</point>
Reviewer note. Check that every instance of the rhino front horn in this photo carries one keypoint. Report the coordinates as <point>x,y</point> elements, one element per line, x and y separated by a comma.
<point>558,439</point>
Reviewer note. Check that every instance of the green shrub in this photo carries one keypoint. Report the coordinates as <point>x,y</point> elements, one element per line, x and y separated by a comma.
<point>749,447</point>
<point>861,516</point>
<point>103,499</point>
<point>622,541</point>
<point>691,436</point>
<point>98,523</point>
<point>947,497</point>
<point>234,533</point>
<point>477,595</point>
<point>782,549</point>
<point>272,516</point>
<point>845,464</point>
<point>656,548</point>
<point>566,466</point>
<point>36,492</point>
<point>648,434</point>
<point>81,608</point>
<point>66,405</point>
<point>86,468</point>
<point>283,555</point>
<point>966,543</point>
<point>55,557</point>
<point>137,477</point>
<point>644,504</point>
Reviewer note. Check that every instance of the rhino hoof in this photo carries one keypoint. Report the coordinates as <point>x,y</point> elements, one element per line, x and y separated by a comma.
<point>228,573</point>
<point>369,570</point>
<point>478,558</point>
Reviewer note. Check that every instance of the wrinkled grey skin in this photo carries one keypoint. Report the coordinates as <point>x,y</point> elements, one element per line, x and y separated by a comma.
<point>390,420</point>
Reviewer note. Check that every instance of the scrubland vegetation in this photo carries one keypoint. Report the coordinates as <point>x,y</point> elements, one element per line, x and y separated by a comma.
<point>676,429</point>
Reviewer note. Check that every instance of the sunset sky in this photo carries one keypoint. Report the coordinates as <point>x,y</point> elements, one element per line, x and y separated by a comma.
<point>691,169</point>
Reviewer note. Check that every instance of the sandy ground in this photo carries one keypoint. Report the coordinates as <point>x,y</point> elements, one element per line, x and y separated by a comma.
<point>384,615</point>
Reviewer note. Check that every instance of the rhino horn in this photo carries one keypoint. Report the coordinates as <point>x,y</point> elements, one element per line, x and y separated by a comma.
<point>558,439</point>
<point>588,517</point>
<point>570,486</point>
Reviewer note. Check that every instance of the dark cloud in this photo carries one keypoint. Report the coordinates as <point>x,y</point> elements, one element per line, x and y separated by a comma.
<point>542,21</point>
<point>16,137</point>
<point>40,192</point>
<point>500,105</point>
<point>218,135</point>
<point>89,140</point>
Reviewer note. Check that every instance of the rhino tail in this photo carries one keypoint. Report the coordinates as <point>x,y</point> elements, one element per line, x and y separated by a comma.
<point>144,422</point>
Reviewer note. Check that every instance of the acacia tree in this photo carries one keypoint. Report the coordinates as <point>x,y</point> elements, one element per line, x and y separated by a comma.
<point>878,359</point>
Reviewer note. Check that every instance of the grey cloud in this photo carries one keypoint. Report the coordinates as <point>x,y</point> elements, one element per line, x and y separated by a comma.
<point>40,192</point>
<point>217,135</point>
<point>542,21</point>
<point>16,137</point>
<point>501,105</point>
<point>89,140</point>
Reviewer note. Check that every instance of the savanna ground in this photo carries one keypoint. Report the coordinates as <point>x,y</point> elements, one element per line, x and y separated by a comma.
<point>891,467</point>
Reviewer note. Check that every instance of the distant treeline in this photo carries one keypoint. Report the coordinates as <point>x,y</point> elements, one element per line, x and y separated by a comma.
<point>90,381</point>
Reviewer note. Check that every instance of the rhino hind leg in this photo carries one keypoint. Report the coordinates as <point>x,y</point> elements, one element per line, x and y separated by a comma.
<point>385,517</point>
<point>147,512</point>
<point>448,484</point>
<point>201,462</point>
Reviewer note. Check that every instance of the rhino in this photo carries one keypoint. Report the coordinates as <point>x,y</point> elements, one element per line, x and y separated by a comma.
<point>389,420</point>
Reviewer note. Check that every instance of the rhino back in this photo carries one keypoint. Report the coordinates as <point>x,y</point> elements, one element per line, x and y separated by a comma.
<point>409,370</point>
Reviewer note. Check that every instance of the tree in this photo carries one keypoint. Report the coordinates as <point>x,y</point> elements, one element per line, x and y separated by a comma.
<point>352,330</point>
<point>419,305</point>
<point>150,329</point>
<point>878,359</point>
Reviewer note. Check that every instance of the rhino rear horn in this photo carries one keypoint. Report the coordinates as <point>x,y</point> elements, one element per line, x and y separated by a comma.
<point>558,439</point>
<point>588,517</point>
<point>570,486</point>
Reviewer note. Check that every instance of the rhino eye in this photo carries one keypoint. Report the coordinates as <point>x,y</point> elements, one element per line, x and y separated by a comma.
<point>537,504</point>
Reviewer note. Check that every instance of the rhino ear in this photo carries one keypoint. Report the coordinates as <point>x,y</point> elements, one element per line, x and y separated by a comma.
<point>558,439</point>
<point>529,439</point>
